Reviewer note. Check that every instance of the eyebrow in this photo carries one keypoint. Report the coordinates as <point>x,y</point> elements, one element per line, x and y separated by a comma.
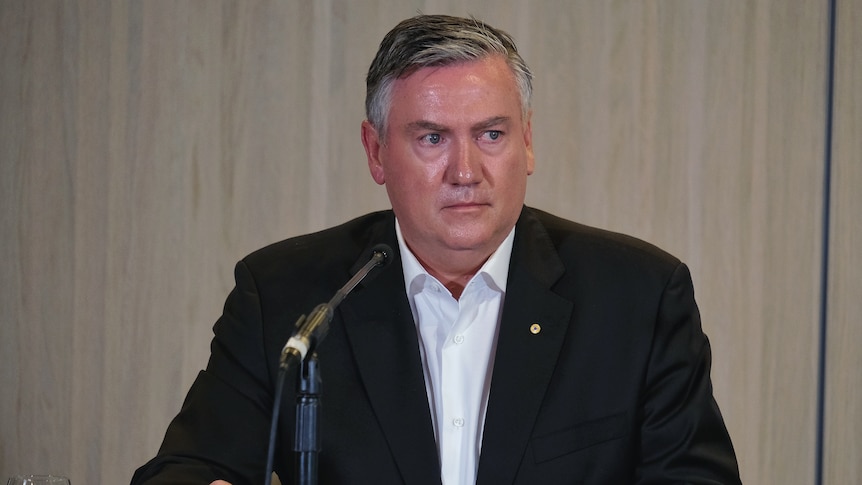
<point>431,126</point>
<point>423,125</point>
<point>496,120</point>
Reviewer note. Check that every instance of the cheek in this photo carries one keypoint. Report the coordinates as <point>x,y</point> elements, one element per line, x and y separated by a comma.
<point>411,192</point>
<point>415,175</point>
<point>411,179</point>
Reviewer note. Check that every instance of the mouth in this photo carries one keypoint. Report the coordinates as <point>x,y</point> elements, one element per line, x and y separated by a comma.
<point>464,201</point>
<point>465,206</point>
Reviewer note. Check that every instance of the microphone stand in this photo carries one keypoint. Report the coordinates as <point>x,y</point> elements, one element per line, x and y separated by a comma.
<point>310,331</point>
<point>306,444</point>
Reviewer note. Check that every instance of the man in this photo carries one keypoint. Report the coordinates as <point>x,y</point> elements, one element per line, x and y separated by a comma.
<point>502,345</point>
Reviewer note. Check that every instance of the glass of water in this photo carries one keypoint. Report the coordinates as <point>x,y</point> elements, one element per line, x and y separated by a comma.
<point>37,480</point>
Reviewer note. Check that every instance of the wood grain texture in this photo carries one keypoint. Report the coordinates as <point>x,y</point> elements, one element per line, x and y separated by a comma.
<point>147,146</point>
<point>699,126</point>
<point>843,386</point>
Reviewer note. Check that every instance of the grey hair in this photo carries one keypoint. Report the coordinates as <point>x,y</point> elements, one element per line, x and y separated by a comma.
<point>437,40</point>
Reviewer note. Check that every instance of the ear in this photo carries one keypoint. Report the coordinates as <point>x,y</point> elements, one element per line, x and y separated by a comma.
<point>372,143</point>
<point>528,143</point>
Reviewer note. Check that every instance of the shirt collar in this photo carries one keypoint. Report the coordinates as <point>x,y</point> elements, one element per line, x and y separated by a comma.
<point>495,271</point>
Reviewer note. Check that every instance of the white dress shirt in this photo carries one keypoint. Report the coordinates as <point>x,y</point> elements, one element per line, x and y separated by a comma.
<point>457,341</point>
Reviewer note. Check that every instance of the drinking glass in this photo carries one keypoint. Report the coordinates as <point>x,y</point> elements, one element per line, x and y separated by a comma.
<point>37,480</point>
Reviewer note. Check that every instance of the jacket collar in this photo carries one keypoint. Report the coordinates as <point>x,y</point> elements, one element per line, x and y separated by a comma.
<point>532,330</point>
<point>380,327</point>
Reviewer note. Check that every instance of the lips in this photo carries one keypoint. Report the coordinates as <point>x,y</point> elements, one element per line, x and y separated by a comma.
<point>464,200</point>
<point>465,205</point>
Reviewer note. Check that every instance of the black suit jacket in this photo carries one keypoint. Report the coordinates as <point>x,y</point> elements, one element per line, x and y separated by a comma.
<point>614,389</point>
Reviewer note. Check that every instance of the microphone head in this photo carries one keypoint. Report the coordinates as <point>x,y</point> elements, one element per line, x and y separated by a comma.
<point>382,253</point>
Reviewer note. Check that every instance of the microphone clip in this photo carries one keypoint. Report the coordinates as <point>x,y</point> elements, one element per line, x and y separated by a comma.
<point>310,331</point>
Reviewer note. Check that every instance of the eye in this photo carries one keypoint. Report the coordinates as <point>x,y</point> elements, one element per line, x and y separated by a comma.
<point>432,138</point>
<point>492,135</point>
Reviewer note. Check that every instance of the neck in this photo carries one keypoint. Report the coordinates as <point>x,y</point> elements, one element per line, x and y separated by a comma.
<point>454,276</point>
<point>453,268</point>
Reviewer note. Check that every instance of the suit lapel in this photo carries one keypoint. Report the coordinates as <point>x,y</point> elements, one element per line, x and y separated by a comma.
<point>380,328</point>
<point>526,354</point>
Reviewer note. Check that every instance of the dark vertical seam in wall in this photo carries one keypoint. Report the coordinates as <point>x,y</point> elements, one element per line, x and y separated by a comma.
<point>824,263</point>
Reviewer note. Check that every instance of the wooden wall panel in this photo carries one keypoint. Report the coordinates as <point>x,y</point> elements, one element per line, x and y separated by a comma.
<point>146,146</point>
<point>843,385</point>
<point>37,277</point>
<point>699,126</point>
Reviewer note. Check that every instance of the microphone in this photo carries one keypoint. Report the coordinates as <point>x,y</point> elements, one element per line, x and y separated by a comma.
<point>310,331</point>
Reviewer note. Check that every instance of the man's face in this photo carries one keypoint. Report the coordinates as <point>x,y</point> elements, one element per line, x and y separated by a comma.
<point>455,159</point>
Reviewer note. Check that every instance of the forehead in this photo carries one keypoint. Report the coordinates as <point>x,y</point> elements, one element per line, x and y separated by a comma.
<point>481,87</point>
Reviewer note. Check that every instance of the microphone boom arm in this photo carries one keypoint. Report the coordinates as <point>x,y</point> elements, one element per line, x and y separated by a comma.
<point>310,331</point>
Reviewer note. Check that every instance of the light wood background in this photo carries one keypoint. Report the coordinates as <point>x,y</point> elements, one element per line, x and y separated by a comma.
<point>145,146</point>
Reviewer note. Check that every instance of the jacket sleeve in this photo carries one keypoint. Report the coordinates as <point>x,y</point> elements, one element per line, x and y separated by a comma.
<point>222,430</point>
<point>683,436</point>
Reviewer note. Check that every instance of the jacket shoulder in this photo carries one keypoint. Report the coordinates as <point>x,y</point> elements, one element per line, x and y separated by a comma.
<point>337,246</point>
<point>582,245</point>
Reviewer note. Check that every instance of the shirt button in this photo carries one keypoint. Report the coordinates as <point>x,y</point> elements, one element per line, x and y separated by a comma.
<point>459,339</point>
<point>458,422</point>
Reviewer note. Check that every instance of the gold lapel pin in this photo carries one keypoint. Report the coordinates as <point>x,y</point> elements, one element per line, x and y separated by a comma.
<point>535,329</point>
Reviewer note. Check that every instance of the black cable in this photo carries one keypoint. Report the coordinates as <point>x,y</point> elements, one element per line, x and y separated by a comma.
<point>825,239</point>
<point>276,405</point>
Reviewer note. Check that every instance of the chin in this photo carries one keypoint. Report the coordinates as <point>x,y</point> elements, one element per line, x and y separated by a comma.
<point>468,240</point>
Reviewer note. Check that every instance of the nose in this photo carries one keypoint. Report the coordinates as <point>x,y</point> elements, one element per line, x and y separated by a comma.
<point>465,165</point>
